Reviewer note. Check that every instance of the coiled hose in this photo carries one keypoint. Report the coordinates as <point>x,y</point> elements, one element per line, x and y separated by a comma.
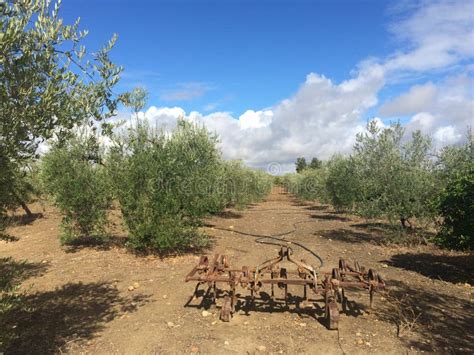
<point>264,239</point>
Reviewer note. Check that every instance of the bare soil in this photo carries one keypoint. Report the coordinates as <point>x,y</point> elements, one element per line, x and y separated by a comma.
<point>104,299</point>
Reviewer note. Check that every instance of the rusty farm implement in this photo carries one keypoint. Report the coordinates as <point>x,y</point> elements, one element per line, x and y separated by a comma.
<point>282,272</point>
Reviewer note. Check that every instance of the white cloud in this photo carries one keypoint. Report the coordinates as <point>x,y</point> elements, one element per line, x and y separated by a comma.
<point>252,119</point>
<point>444,111</point>
<point>166,112</point>
<point>447,135</point>
<point>416,99</point>
<point>438,37</point>
<point>438,34</point>
<point>322,117</point>
<point>423,121</point>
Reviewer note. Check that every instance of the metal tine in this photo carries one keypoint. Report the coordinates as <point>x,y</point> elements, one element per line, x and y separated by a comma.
<point>328,284</point>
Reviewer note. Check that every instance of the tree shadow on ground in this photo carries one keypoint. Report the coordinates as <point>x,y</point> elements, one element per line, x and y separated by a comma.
<point>393,233</point>
<point>202,243</point>
<point>330,217</point>
<point>24,219</point>
<point>73,313</point>
<point>442,322</point>
<point>398,237</point>
<point>376,226</point>
<point>8,238</point>
<point>450,268</point>
<point>228,215</point>
<point>98,243</point>
<point>251,206</point>
<point>317,208</point>
<point>17,220</point>
<point>349,236</point>
<point>298,203</point>
<point>385,227</point>
<point>13,272</point>
<point>202,247</point>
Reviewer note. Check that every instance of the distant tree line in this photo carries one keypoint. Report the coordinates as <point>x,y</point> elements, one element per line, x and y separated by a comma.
<point>301,164</point>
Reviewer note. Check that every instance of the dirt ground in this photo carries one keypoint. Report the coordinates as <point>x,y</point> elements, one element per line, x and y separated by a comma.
<point>107,300</point>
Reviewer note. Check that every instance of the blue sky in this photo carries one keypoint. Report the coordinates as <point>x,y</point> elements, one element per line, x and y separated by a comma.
<point>238,54</point>
<point>280,79</point>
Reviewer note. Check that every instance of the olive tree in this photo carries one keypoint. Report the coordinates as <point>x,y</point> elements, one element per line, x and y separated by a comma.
<point>455,202</point>
<point>395,175</point>
<point>49,82</point>
<point>161,181</point>
<point>342,185</point>
<point>239,185</point>
<point>455,160</point>
<point>73,175</point>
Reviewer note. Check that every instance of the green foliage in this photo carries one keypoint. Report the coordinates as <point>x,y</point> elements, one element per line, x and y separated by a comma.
<point>10,296</point>
<point>315,163</point>
<point>161,182</point>
<point>167,182</point>
<point>9,279</point>
<point>395,177</point>
<point>300,164</point>
<point>307,185</point>
<point>241,185</point>
<point>456,206</point>
<point>73,176</point>
<point>136,99</point>
<point>17,186</point>
<point>48,80</point>
<point>455,203</point>
<point>386,176</point>
<point>342,184</point>
<point>7,180</point>
<point>48,84</point>
<point>455,160</point>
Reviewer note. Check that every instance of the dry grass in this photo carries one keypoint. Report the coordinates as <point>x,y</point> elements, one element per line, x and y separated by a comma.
<point>402,312</point>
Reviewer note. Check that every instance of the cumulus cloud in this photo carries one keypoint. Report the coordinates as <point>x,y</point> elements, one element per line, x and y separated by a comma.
<point>415,100</point>
<point>322,116</point>
<point>435,37</point>
<point>438,34</point>
<point>423,121</point>
<point>444,111</point>
<point>252,119</point>
<point>447,135</point>
<point>319,119</point>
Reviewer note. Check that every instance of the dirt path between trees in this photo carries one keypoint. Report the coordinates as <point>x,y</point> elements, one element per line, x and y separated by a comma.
<point>106,300</point>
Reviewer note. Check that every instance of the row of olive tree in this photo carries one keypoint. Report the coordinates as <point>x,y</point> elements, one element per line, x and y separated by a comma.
<point>396,177</point>
<point>51,84</point>
<point>165,183</point>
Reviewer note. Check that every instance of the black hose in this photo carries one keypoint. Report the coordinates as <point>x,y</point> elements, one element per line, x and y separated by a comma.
<point>261,239</point>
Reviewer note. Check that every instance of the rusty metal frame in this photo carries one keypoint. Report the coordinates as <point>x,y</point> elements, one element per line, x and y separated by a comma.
<point>328,284</point>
